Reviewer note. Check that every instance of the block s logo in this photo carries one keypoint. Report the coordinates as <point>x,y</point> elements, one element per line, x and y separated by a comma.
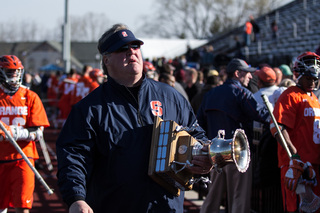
<point>156,108</point>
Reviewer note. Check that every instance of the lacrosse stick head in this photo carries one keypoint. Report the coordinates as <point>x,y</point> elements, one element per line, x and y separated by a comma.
<point>309,202</point>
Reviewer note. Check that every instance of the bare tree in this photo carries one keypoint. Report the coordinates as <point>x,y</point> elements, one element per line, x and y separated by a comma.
<point>88,27</point>
<point>202,18</point>
<point>15,31</point>
<point>19,31</point>
<point>181,18</point>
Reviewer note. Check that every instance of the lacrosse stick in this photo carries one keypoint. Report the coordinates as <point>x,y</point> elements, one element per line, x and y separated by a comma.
<point>45,153</point>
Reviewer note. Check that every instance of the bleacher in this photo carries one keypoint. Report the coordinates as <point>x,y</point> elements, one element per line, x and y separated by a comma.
<point>299,31</point>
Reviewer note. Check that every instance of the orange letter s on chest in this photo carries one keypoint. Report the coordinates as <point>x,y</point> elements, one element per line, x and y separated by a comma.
<point>156,107</point>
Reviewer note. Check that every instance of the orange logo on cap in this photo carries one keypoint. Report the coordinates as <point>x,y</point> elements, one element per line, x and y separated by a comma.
<point>124,34</point>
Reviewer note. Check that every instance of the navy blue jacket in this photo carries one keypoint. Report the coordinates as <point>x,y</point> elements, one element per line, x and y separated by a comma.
<point>229,106</point>
<point>103,148</point>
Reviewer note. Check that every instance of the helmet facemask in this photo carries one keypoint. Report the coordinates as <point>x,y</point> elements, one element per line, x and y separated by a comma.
<point>11,79</point>
<point>308,66</point>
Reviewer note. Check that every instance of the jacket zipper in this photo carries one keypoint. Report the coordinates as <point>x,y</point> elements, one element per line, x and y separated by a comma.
<point>140,121</point>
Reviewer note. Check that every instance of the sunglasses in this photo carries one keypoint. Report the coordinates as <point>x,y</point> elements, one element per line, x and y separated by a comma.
<point>125,48</point>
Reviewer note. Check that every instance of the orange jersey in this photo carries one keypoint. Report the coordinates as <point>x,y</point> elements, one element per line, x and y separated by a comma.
<point>84,86</point>
<point>25,109</point>
<point>52,92</point>
<point>300,113</point>
<point>66,89</point>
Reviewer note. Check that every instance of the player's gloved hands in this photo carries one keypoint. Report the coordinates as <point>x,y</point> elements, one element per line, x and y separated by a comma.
<point>309,175</point>
<point>296,167</point>
<point>19,133</point>
<point>36,135</point>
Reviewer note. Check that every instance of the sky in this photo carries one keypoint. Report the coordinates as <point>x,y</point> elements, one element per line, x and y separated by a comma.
<point>47,13</point>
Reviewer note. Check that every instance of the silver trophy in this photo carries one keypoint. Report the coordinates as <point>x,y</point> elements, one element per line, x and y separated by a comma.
<point>173,148</point>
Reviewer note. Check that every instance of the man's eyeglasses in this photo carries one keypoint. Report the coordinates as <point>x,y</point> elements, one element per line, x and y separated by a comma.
<point>125,48</point>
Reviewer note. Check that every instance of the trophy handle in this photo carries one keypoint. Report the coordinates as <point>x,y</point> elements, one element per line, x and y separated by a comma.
<point>184,165</point>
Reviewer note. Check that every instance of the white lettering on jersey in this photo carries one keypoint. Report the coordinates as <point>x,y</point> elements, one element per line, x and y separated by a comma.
<point>81,90</point>
<point>13,110</point>
<point>311,112</point>
<point>68,88</point>
<point>316,131</point>
<point>19,121</point>
<point>314,112</point>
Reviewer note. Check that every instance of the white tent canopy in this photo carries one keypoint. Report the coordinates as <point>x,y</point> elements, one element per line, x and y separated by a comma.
<point>168,48</point>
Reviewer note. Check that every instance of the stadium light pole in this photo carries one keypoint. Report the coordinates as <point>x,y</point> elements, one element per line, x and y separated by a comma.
<point>66,40</point>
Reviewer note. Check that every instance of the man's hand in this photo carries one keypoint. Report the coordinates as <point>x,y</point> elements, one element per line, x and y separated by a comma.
<point>201,163</point>
<point>80,206</point>
<point>296,167</point>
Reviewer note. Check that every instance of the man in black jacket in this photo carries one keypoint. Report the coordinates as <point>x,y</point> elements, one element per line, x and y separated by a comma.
<point>235,108</point>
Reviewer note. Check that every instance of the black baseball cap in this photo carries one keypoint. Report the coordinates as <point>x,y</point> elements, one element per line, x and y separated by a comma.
<point>239,64</point>
<point>117,40</point>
